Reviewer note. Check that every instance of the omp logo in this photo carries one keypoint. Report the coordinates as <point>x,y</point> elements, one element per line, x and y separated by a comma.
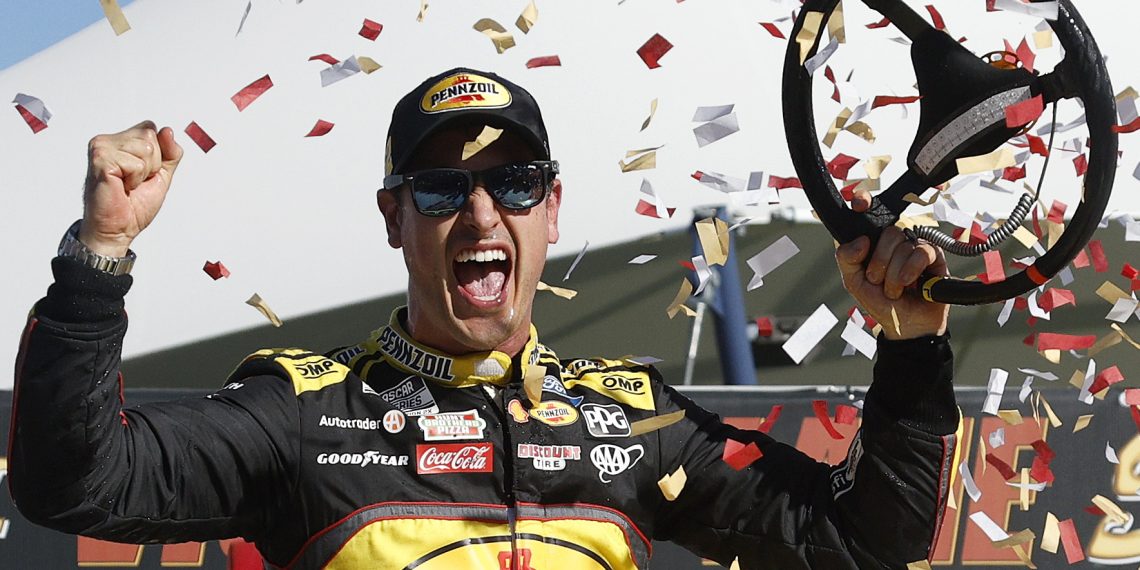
<point>612,460</point>
<point>311,370</point>
<point>606,420</point>
<point>627,385</point>
<point>361,459</point>
<point>465,90</point>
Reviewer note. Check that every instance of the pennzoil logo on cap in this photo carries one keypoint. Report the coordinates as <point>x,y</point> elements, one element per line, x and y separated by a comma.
<point>465,91</point>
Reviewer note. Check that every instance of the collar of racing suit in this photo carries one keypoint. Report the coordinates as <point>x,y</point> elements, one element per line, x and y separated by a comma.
<point>403,352</point>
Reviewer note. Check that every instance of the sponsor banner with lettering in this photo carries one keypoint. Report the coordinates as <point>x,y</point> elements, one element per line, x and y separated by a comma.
<point>1081,471</point>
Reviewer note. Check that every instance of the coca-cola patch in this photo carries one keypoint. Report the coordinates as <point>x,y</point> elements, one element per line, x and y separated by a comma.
<point>433,459</point>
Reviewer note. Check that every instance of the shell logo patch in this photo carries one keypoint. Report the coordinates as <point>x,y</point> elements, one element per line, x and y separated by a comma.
<point>465,91</point>
<point>553,413</point>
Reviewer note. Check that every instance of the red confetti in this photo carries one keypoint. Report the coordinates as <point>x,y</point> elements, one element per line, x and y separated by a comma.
<point>1057,212</point>
<point>845,414</point>
<point>1129,128</point>
<point>1037,145</point>
<point>1135,415</point>
<point>841,165</point>
<point>371,30</point>
<point>1081,163</point>
<point>200,138</point>
<point>995,272</point>
<point>782,183</point>
<point>1094,511</point>
<point>1050,341</point>
<point>934,15</point>
<point>1043,450</point>
<point>325,58</point>
<point>772,29</point>
<point>1040,471</point>
<point>1132,396</point>
<point>1129,272</point>
<point>770,419</point>
<point>1081,260</point>
<point>1026,55</point>
<point>880,24</point>
<point>764,326</point>
<point>653,49</point>
<point>646,209</point>
<point>1100,261</point>
<point>820,408</point>
<point>251,92</point>
<point>687,265</point>
<point>830,75</point>
<point>1072,543</point>
<point>1020,303</point>
<point>1106,378</point>
<point>34,123</point>
<point>320,129</point>
<point>1003,468</point>
<point>1025,112</point>
<point>1013,173</point>
<point>884,100</point>
<point>1054,298</point>
<point>738,456</point>
<point>216,270</point>
<point>1136,284</point>
<point>544,61</point>
<point>848,192</point>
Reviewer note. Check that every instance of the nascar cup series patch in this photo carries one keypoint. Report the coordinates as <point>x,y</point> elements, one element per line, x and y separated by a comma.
<point>465,91</point>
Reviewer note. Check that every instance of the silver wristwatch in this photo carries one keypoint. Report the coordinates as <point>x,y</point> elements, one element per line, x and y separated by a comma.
<point>70,246</point>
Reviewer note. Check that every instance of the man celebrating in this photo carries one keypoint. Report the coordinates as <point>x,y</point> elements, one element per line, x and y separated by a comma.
<point>452,437</point>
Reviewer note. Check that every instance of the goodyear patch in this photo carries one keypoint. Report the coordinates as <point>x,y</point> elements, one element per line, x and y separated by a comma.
<point>628,387</point>
<point>465,91</point>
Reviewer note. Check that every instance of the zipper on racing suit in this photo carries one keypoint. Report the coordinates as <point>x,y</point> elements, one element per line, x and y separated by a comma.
<point>495,397</point>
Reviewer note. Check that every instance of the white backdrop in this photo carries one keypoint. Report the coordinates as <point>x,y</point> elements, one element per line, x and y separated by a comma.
<point>294,218</point>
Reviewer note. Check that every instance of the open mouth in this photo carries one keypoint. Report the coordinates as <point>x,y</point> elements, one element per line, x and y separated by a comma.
<point>482,274</point>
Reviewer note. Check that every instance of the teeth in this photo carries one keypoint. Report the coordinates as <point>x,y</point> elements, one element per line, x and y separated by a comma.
<point>481,255</point>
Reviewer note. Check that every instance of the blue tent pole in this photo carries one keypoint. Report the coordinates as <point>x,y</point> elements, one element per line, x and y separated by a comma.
<point>728,305</point>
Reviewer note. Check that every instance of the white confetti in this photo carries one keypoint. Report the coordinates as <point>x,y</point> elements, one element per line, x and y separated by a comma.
<point>576,260</point>
<point>1110,454</point>
<point>810,333</point>
<point>988,526</point>
<point>994,389</point>
<point>768,260</point>
<point>642,259</point>
<point>968,481</point>
<point>342,70</point>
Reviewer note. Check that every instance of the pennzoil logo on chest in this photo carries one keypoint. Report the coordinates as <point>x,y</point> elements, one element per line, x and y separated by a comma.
<point>463,91</point>
<point>554,413</point>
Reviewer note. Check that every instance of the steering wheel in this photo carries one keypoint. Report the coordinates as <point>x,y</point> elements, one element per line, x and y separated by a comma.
<point>963,100</point>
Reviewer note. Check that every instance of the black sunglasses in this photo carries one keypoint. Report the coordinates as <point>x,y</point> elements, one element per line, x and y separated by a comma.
<point>444,191</point>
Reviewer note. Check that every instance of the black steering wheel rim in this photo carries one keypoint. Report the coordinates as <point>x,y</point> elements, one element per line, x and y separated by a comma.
<point>1082,74</point>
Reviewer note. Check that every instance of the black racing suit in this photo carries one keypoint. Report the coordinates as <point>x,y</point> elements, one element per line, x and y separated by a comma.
<point>388,454</point>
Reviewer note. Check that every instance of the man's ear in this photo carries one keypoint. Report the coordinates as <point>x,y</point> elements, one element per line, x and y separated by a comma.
<point>389,206</point>
<point>553,202</point>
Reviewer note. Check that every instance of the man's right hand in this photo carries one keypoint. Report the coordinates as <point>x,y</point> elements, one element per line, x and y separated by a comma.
<point>128,174</point>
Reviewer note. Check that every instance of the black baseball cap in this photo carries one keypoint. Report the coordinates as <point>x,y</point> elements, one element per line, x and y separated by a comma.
<point>457,96</point>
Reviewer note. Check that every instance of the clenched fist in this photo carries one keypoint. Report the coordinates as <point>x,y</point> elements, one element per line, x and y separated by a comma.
<point>128,174</point>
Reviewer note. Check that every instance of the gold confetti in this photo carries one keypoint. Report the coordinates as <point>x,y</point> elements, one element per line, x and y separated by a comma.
<point>499,35</point>
<point>1107,341</point>
<point>996,160</point>
<point>735,564</point>
<point>256,302</point>
<point>1111,293</point>
<point>875,165</point>
<point>564,293</point>
<point>916,199</point>
<point>835,24</point>
<point>1078,379</point>
<point>1051,538</point>
<point>532,383</point>
<point>1082,422</point>
<point>671,485</point>
<point>895,321</point>
<point>714,240</point>
<point>833,130</point>
<point>808,34</point>
<point>1111,509</point>
<point>1023,495</point>
<point>862,130</point>
<point>644,162</point>
<point>1053,419</point>
<point>1019,537</point>
<point>1043,39</point>
<point>642,427</point>
<point>1024,557</point>
<point>1011,417</point>
<point>918,565</point>
<point>652,111</point>
<point>1026,237</point>
<point>367,64</point>
<point>1052,355</point>
<point>679,300</point>
<point>528,17</point>
<point>423,11</point>
<point>486,137</point>
<point>1123,334</point>
<point>115,16</point>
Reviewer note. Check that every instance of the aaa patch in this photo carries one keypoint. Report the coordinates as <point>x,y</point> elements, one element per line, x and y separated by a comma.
<point>465,91</point>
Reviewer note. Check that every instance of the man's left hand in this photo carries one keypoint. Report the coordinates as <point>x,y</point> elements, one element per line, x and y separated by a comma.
<point>881,284</point>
